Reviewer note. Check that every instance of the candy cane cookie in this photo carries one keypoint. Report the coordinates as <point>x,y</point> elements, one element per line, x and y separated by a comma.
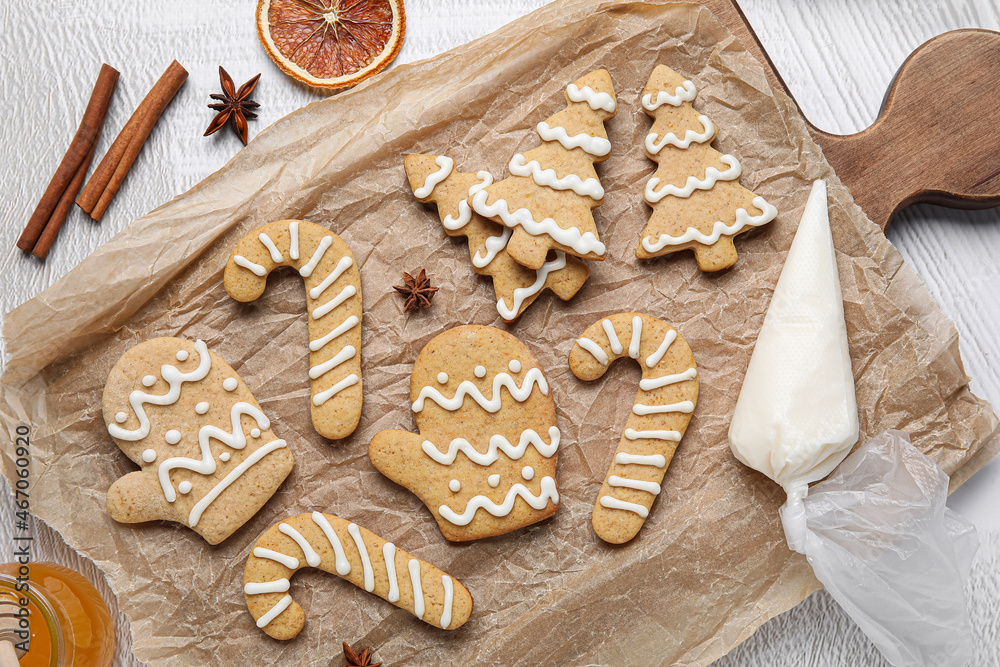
<point>667,396</point>
<point>333,300</point>
<point>340,547</point>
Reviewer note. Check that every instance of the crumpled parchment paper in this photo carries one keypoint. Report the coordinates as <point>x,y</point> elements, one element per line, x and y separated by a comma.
<point>711,563</point>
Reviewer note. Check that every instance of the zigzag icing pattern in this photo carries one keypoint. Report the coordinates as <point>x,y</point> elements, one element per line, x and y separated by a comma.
<point>690,137</point>
<point>720,228</point>
<point>582,243</point>
<point>712,176</point>
<point>539,502</point>
<point>547,178</point>
<point>686,92</point>
<point>597,146</point>
<point>466,388</point>
<point>498,444</point>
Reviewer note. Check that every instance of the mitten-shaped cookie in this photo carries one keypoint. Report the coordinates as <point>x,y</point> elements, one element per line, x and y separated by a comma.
<point>333,302</point>
<point>698,202</point>
<point>668,393</point>
<point>366,560</point>
<point>209,459</point>
<point>433,179</point>
<point>484,461</point>
<point>549,197</point>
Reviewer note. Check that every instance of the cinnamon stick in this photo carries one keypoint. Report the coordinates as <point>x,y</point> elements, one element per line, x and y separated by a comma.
<point>84,139</point>
<point>44,244</point>
<point>109,175</point>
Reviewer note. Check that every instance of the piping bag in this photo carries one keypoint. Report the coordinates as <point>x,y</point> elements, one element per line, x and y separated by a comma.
<point>877,532</point>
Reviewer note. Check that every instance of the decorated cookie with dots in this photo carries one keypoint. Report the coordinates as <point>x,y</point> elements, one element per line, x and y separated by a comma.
<point>333,304</point>
<point>484,460</point>
<point>433,179</point>
<point>207,456</point>
<point>667,396</point>
<point>336,546</point>
<point>548,200</point>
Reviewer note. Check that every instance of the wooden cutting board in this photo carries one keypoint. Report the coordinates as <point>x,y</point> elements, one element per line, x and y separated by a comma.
<point>934,139</point>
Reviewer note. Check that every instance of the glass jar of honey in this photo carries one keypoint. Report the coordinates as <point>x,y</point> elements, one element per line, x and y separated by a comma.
<point>70,624</point>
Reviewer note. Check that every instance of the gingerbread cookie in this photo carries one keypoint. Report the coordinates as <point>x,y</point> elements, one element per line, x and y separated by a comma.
<point>433,179</point>
<point>484,461</point>
<point>549,197</point>
<point>339,547</point>
<point>668,393</point>
<point>698,202</point>
<point>333,301</point>
<point>209,459</point>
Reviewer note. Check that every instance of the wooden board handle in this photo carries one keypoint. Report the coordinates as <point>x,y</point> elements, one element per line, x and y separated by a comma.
<point>937,136</point>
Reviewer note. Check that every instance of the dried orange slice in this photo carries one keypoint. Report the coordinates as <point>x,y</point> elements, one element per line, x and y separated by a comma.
<point>331,43</point>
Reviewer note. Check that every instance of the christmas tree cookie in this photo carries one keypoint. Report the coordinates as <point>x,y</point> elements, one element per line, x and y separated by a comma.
<point>434,179</point>
<point>698,202</point>
<point>549,197</point>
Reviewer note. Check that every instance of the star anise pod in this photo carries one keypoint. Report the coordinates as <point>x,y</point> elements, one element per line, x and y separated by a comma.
<point>234,106</point>
<point>418,291</point>
<point>362,660</point>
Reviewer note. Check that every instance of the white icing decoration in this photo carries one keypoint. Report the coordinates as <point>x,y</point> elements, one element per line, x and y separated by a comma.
<point>344,264</point>
<point>449,599</point>
<point>310,554</point>
<point>389,556</point>
<point>149,381</point>
<point>593,98</point>
<point>712,176</point>
<point>342,565</point>
<point>184,488</point>
<point>348,352</point>
<point>366,563</point>
<point>446,164</point>
<point>493,480</point>
<point>271,248</point>
<point>345,326</point>
<point>121,417</point>
<point>656,460</point>
<point>633,346</point>
<point>172,436</point>
<point>259,588</point>
<point>149,455</point>
<point>290,562</point>
<point>464,210</point>
<point>174,379</point>
<point>182,355</point>
<point>455,486</point>
<point>514,366</point>
<point>418,588</point>
<point>522,293</point>
<point>595,350</point>
<point>672,436</point>
<point>344,295</point>
<point>596,146</point>
<point>233,475</point>
<point>548,492</point>
<point>224,456</point>
<point>480,371</point>
<point>668,340</point>
<point>690,137</point>
<point>494,245</point>
<point>609,330</point>
<point>275,611</point>
<point>202,407</point>
<point>314,261</point>
<point>498,443</point>
<point>324,396</point>
<point>683,406</point>
<point>466,388</point>
<point>442,378</point>
<point>685,92</point>
<point>615,504</point>
<point>718,229</point>
<point>255,433</point>
<point>648,487</point>
<point>583,243</point>
<point>259,270</point>
<point>230,384</point>
<point>656,383</point>
<point>548,178</point>
<point>293,239</point>
<point>527,472</point>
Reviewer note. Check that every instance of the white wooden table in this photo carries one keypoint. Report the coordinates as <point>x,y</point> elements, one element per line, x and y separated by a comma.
<point>836,57</point>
